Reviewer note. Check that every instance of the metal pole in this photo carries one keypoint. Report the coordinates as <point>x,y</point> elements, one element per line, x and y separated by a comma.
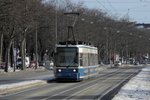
<point>70,28</point>
<point>56,21</point>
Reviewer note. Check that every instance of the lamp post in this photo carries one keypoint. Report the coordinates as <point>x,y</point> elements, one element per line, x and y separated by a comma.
<point>56,6</point>
<point>107,53</point>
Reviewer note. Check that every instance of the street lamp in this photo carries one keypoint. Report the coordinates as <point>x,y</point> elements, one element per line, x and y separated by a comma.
<point>107,52</point>
<point>140,36</point>
<point>131,34</point>
<point>91,22</point>
<point>105,28</point>
<point>82,19</point>
<point>118,31</point>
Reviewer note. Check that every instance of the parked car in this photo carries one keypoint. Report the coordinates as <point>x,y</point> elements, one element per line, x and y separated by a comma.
<point>136,63</point>
<point>41,63</point>
<point>2,65</point>
<point>19,62</point>
<point>117,63</point>
<point>32,64</point>
<point>27,61</point>
<point>51,63</point>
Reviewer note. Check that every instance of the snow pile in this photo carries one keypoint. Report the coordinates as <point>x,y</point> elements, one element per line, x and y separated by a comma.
<point>138,88</point>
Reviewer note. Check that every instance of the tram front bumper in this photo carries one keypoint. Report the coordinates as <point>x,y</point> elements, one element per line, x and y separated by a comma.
<point>71,76</point>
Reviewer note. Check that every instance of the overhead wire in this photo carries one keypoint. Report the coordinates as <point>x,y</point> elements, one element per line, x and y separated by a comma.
<point>112,6</point>
<point>102,5</point>
<point>137,5</point>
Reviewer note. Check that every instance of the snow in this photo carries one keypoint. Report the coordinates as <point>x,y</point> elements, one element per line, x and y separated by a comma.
<point>20,84</point>
<point>138,88</point>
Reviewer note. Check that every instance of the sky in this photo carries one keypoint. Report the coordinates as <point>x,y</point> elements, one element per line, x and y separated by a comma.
<point>137,10</point>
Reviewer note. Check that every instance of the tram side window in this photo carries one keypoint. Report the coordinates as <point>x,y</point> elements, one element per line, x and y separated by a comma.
<point>96,63</point>
<point>90,62</point>
<point>95,59</point>
<point>90,59</point>
<point>85,59</point>
<point>81,59</point>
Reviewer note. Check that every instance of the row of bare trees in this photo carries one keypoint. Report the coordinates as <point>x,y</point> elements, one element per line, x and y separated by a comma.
<point>20,20</point>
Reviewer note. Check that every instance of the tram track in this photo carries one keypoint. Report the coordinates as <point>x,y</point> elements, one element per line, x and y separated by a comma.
<point>103,93</point>
<point>84,85</point>
<point>52,83</point>
<point>69,90</point>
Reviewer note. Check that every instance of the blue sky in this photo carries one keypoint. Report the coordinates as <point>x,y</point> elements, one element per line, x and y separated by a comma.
<point>137,10</point>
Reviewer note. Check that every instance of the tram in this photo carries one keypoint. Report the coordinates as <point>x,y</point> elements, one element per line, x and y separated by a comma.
<point>75,61</point>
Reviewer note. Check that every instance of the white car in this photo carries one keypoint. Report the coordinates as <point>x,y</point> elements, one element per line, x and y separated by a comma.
<point>19,62</point>
<point>51,63</point>
<point>117,63</point>
<point>27,62</point>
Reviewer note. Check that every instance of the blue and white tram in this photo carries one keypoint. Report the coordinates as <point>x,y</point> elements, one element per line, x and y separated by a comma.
<point>75,61</point>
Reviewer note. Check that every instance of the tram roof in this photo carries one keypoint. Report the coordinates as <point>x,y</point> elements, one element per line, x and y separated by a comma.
<point>75,44</point>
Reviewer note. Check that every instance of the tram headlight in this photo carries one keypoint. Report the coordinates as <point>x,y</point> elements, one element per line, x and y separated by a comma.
<point>74,70</point>
<point>59,70</point>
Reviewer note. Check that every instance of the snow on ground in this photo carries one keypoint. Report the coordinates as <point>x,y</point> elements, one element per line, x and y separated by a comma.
<point>138,88</point>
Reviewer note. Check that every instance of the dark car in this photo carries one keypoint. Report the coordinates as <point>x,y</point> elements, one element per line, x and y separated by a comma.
<point>136,63</point>
<point>2,65</point>
<point>41,63</point>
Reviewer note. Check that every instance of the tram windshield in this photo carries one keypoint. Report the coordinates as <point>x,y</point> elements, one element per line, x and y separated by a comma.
<point>66,57</point>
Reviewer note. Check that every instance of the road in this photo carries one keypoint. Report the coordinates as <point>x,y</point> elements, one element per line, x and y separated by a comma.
<point>89,89</point>
<point>25,76</point>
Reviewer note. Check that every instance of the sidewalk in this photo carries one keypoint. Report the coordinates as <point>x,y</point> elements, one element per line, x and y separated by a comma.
<point>22,79</point>
<point>24,75</point>
<point>11,70</point>
<point>138,88</point>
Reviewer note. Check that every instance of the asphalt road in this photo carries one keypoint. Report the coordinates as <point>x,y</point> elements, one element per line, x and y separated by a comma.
<point>89,89</point>
<point>15,77</point>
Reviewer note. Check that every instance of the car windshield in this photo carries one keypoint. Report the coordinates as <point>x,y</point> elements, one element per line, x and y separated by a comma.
<point>67,56</point>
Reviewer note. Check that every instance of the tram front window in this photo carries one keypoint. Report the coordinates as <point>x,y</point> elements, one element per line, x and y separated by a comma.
<point>67,56</point>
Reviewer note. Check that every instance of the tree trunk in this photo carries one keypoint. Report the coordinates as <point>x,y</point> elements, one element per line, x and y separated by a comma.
<point>23,47</point>
<point>1,48</point>
<point>8,55</point>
